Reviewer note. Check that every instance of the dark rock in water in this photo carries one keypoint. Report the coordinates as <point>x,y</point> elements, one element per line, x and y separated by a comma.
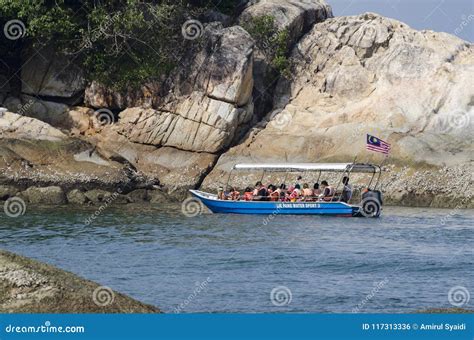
<point>28,286</point>
<point>7,192</point>
<point>76,197</point>
<point>158,196</point>
<point>98,196</point>
<point>47,195</point>
<point>137,196</point>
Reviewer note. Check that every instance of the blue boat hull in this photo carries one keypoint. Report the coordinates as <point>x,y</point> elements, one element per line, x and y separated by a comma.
<point>276,208</point>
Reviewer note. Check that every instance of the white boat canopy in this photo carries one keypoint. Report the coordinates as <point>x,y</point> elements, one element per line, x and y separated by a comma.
<point>296,167</point>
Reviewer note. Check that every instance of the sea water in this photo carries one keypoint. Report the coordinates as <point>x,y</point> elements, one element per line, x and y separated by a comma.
<point>407,260</point>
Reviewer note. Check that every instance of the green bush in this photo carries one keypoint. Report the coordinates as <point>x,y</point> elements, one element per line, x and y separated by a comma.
<point>120,43</point>
<point>272,42</point>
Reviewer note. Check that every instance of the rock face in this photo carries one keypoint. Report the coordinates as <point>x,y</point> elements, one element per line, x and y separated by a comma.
<point>47,74</point>
<point>369,74</point>
<point>34,154</point>
<point>225,104</point>
<point>211,99</point>
<point>16,126</point>
<point>27,286</point>
<point>297,16</point>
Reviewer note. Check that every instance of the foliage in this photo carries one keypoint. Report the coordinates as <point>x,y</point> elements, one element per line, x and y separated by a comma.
<point>271,41</point>
<point>121,43</point>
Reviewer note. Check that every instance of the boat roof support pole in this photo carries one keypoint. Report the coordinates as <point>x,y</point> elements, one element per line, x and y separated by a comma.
<point>228,179</point>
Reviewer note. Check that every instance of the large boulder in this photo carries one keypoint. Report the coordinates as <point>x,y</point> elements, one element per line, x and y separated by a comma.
<point>177,170</point>
<point>47,111</point>
<point>46,73</point>
<point>369,74</point>
<point>52,195</point>
<point>13,125</point>
<point>99,96</point>
<point>295,15</point>
<point>210,101</point>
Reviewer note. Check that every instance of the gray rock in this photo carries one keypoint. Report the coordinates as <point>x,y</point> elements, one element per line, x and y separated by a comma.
<point>47,111</point>
<point>137,196</point>
<point>17,126</point>
<point>13,104</point>
<point>98,196</point>
<point>48,74</point>
<point>296,16</point>
<point>4,86</point>
<point>52,195</point>
<point>158,196</point>
<point>7,192</point>
<point>208,102</point>
<point>76,196</point>
<point>367,74</point>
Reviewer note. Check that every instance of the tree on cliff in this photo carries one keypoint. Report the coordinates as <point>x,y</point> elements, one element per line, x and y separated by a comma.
<point>120,42</point>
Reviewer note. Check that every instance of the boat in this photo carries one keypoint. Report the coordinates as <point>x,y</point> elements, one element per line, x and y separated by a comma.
<point>370,205</point>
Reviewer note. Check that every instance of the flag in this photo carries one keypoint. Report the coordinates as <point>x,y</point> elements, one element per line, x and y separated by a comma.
<point>377,145</point>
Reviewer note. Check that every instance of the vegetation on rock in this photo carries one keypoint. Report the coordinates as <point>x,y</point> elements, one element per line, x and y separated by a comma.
<point>272,42</point>
<point>120,43</point>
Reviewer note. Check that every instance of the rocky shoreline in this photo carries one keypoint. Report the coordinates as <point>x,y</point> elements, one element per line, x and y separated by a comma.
<point>65,139</point>
<point>28,286</point>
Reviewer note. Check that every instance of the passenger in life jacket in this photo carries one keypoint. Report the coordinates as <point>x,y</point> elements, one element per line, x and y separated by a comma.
<point>281,192</point>
<point>273,193</point>
<point>234,195</point>
<point>260,193</point>
<point>307,192</point>
<point>316,190</point>
<point>327,191</point>
<point>248,195</point>
<point>296,193</point>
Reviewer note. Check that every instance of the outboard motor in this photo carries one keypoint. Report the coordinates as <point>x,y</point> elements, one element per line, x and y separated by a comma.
<point>371,205</point>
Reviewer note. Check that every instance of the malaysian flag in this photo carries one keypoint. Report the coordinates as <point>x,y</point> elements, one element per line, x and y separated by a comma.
<point>377,145</point>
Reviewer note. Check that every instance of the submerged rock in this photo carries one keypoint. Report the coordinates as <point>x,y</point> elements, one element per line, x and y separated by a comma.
<point>28,286</point>
<point>52,195</point>
<point>76,197</point>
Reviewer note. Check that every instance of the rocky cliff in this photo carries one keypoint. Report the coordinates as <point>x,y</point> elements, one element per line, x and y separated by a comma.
<point>227,103</point>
